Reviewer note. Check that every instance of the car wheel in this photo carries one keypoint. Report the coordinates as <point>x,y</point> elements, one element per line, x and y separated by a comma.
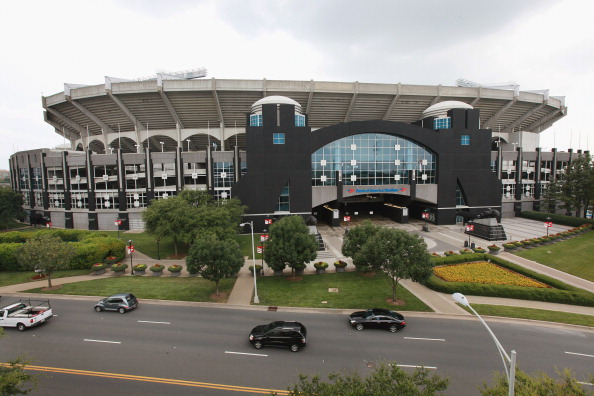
<point>98,309</point>
<point>121,310</point>
<point>21,326</point>
<point>359,326</point>
<point>295,348</point>
<point>258,344</point>
<point>393,329</point>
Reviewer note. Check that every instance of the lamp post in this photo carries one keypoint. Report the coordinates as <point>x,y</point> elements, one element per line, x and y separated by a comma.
<point>264,247</point>
<point>130,251</point>
<point>469,229</point>
<point>426,217</point>
<point>256,299</point>
<point>188,140</point>
<point>509,362</point>
<point>161,143</point>
<point>548,225</point>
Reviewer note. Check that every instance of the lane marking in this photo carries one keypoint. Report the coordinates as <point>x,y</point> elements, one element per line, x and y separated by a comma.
<point>424,339</point>
<point>243,353</point>
<point>579,354</point>
<point>150,321</point>
<point>158,380</point>
<point>413,366</point>
<point>106,342</point>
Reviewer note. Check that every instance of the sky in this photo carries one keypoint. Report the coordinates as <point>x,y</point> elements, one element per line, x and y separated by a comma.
<point>539,44</point>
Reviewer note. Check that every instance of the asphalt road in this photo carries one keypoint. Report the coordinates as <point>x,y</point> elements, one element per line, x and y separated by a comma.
<point>178,350</point>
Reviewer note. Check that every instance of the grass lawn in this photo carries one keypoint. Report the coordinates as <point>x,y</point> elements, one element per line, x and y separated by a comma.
<point>355,291</point>
<point>534,314</point>
<point>149,287</point>
<point>572,256</point>
<point>12,278</point>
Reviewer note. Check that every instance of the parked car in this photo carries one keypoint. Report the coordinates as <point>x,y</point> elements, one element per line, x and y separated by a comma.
<point>122,302</point>
<point>291,335</point>
<point>377,318</point>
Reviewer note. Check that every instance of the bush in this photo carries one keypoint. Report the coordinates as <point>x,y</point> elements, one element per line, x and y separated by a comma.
<point>320,265</point>
<point>8,257</point>
<point>465,251</point>
<point>478,250</point>
<point>12,237</point>
<point>139,267</point>
<point>494,248</point>
<point>570,221</point>
<point>175,268</point>
<point>87,254</point>
<point>119,266</point>
<point>258,268</point>
<point>340,264</point>
<point>157,268</point>
<point>450,253</point>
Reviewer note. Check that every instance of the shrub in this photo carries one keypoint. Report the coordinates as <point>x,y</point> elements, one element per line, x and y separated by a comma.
<point>493,248</point>
<point>510,245</point>
<point>119,266</point>
<point>478,250</point>
<point>450,253</point>
<point>8,257</point>
<point>258,268</point>
<point>12,237</point>
<point>320,265</point>
<point>157,267</point>
<point>570,221</point>
<point>465,251</point>
<point>175,268</point>
<point>139,267</point>
<point>98,266</point>
<point>87,254</point>
<point>340,264</point>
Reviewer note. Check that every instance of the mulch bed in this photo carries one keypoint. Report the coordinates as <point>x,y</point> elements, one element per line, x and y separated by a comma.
<point>398,301</point>
<point>58,287</point>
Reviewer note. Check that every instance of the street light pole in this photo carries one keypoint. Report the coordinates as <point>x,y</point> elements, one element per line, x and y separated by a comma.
<point>256,299</point>
<point>509,363</point>
<point>548,225</point>
<point>131,251</point>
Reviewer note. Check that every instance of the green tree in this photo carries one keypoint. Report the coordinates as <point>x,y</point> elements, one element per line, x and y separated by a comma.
<point>47,253</point>
<point>397,253</point>
<point>290,243</point>
<point>171,217</point>
<point>577,185</point>
<point>13,378</point>
<point>11,206</point>
<point>384,380</point>
<point>214,258</point>
<point>539,384</point>
<point>355,239</point>
<point>551,196</point>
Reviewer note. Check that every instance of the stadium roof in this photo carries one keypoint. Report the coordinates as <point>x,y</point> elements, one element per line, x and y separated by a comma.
<point>162,104</point>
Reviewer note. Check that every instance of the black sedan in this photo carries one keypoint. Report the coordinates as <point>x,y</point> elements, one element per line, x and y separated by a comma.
<point>377,318</point>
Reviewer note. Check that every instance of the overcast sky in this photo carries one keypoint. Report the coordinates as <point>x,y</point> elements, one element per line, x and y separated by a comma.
<point>540,44</point>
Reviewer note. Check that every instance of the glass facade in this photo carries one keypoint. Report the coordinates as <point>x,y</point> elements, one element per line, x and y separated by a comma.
<point>442,123</point>
<point>284,203</point>
<point>256,120</point>
<point>372,159</point>
<point>299,120</point>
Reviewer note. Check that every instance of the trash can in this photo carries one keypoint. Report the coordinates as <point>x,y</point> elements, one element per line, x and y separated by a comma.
<point>465,244</point>
<point>472,245</point>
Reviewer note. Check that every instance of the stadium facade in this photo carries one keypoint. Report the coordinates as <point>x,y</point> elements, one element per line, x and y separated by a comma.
<point>335,150</point>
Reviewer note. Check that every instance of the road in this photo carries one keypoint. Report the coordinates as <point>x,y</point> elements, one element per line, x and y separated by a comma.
<point>178,350</point>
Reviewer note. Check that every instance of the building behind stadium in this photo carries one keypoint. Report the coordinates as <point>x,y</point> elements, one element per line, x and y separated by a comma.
<point>334,150</point>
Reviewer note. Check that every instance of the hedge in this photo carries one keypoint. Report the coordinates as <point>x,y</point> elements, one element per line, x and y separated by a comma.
<point>8,257</point>
<point>561,292</point>
<point>12,237</point>
<point>570,221</point>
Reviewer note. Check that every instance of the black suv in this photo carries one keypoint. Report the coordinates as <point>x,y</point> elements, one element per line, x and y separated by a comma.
<point>279,334</point>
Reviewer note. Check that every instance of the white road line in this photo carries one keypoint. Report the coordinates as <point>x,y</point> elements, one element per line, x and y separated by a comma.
<point>107,342</point>
<point>413,366</point>
<point>424,339</point>
<point>150,321</point>
<point>242,353</point>
<point>579,354</point>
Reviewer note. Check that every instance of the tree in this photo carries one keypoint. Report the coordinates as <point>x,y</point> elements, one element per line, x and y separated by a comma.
<point>577,185</point>
<point>14,379</point>
<point>397,253</point>
<point>47,253</point>
<point>355,239</point>
<point>539,384</point>
<point>214,258</point>
<point>171,217</point>
<point>551,195</point>
<point>384,380</point>
<point>290,243</point>
<point>11,206</point>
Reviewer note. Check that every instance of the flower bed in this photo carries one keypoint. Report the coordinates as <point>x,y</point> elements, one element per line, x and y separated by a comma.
<point>320,265</point>
<point>98,266</point>
<point>157,268</point>
<point>450,253</point>
<point>466,251</point>
<point>175,268</point>
<point>485,273</point>
<point>119,267</point>
<point>139,267</point>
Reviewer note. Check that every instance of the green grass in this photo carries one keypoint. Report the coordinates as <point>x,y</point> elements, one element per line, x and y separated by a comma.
<point>572,256</point>
<point>355,291</point>
<point>534,314</point>
<point>148,287</point>
<point>13,278</point>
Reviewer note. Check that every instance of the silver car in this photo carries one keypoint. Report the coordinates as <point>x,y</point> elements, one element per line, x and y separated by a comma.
<point>122,302</point>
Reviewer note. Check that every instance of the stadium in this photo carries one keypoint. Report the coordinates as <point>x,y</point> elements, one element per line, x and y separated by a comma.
<point>338,151</point>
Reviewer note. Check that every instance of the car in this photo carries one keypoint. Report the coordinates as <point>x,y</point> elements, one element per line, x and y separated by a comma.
<point>122,302</point>
<point>377,318</point>
<point>286,334</point>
